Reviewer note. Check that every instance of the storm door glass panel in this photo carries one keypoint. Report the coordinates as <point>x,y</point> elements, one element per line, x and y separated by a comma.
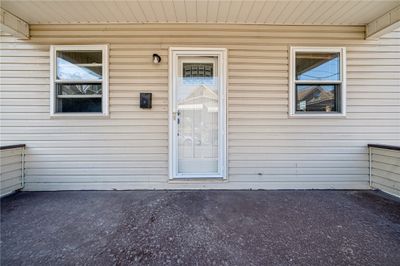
<point>197,98</point>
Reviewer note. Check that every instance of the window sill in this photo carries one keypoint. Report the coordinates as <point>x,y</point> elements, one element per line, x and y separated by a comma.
<point>317,115</point>
<point>79,116</point>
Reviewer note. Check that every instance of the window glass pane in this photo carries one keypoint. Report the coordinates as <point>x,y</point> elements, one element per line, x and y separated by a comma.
<point>79,89</point>
<point>201,70</point>
<point>317,66</point>
<point>72,105</point>
<point>317,98</point>
<point>79,65</point>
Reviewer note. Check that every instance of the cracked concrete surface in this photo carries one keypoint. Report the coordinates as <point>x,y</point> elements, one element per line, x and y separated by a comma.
<point>200,228</point>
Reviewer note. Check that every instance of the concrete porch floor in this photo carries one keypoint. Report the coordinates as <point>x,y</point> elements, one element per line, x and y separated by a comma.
<point>200,228</point>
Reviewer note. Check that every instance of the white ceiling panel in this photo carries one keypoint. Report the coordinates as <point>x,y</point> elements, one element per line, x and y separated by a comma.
<point>201,9</point>
<point>191,11</point>
<point>283,12</point>
<point>180,11</point>
<point>169,9</point>
<point>212,11</point>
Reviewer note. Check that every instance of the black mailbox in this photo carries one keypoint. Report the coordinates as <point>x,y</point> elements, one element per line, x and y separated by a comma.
<point>145,100</point>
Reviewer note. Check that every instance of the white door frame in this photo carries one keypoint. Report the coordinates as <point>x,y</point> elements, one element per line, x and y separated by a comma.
<point>174,53</point>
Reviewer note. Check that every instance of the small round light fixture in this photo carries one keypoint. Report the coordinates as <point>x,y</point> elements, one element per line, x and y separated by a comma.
<point>156,59</point>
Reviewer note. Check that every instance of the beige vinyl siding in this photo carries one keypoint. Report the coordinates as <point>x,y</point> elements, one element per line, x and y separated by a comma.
<point>11,170</point>
<point>266,149</point>
<point>385,170</point>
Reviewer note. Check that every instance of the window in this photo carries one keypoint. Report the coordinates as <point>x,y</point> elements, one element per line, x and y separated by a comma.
<point>317,82</point>
<point>79,80</point>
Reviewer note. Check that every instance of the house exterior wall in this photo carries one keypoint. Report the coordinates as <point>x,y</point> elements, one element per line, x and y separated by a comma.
<point>266,148</point>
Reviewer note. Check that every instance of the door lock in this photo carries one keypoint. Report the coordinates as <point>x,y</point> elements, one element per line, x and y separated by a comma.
<point>176,115</point>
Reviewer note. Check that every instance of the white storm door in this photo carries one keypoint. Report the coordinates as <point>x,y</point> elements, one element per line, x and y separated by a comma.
<point>197,114</point>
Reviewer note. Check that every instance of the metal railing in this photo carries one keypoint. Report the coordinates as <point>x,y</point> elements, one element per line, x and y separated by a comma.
<point>12,165</point>
<point>384,168</point>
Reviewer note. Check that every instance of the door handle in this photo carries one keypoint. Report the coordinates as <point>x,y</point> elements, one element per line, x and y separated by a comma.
<point>176,115</point>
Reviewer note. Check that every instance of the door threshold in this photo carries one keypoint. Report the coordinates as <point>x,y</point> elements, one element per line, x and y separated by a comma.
<point>197,180</point>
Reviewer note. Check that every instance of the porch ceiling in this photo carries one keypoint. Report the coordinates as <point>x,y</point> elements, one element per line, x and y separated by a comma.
<point>303,12</point>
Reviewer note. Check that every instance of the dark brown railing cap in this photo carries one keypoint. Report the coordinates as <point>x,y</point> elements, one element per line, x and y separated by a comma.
<point>388,147</point>
<point>12,146</point>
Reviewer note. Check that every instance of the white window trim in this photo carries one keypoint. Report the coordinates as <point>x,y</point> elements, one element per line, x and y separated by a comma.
<point>104,81</point>
<point>292,87</point>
